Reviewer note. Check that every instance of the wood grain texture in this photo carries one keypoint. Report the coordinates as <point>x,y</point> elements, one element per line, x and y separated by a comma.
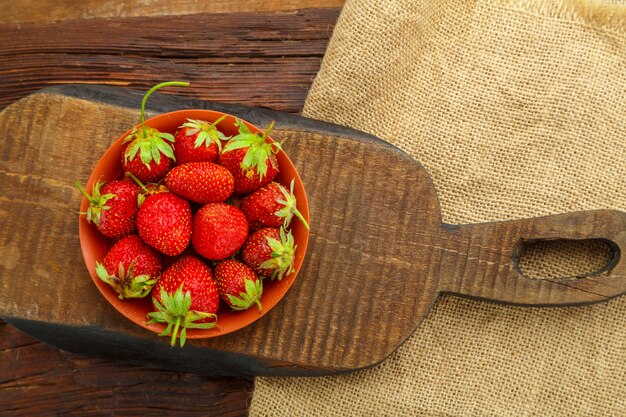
<point>349,228</point>
<point>73,385</point>
<point>56,10</point>
<point>31,71</point>
<point>378,254</point>
<point>261,59</point>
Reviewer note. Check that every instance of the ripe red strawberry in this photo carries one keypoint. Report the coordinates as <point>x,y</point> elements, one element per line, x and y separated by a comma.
<point>271,205</point>
<point>185,297</point>
<point>164,222</point>
<point>112,207</point>
<point>146,152</point>
<point>270,252</point>
<point>131,267</point>
<point>219,231</point>
<point>250,158</point>
<point>238,285</point>
<point>202,182</point>
<point>138,157</point>
<point>198,141</point>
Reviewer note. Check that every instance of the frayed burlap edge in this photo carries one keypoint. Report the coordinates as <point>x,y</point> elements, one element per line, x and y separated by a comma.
<point>610,17</point>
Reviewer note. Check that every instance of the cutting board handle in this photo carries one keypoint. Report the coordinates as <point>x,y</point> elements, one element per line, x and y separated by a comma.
<point>487,259</point>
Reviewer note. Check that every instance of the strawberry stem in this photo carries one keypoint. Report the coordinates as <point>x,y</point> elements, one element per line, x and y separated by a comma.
<point>215,123</point>
<point>299,215</point>
<point>137,181</point>
<point>152,90</point>
<point>268,130</point>
<point>275,146</point>
<point>175,332</point>
<point>295,209</point>
<point>83,192</point>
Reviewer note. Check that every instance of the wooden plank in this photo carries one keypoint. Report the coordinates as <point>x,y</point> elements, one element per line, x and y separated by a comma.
<point>261,59</point>
<point>38,380</point>
<point>50,10</point>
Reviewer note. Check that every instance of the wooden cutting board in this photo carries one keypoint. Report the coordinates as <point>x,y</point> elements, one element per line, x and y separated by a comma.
<point>378,254</point>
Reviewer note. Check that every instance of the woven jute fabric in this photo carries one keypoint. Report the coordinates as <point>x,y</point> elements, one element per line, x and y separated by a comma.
<point>516,109</point>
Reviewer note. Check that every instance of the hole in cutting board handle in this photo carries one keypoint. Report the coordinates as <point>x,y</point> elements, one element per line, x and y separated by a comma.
<point>566,258</point>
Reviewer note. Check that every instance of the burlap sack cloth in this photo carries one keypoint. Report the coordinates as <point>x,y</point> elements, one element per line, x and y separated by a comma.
<point>516,109</point>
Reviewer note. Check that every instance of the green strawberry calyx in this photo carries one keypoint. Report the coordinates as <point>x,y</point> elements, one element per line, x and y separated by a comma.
<point>283,255</point>
<point>148,142</point>
<point>174,310</point>
<point>125,283</point>
<point>289,206</point>
<point>207,132</point>
<point>97,202</point>
<point>252,295</point>
<point>259,150</point>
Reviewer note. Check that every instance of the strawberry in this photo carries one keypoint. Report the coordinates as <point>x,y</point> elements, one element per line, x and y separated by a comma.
<point>250,158</point>
<point>270,252</point>
<point>271,205</point>
<point>131,267</point>
<point>146,152</point>
<point>198,141</point>
<point>152,167</point>
<point>164,221</point>
<point>238,285</point>
<point>185,297</point>
<point>202,182</point>
<point>219,231</point>
<point>112,207</point>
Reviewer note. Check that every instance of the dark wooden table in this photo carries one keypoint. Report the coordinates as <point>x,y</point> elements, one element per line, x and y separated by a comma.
<point>254,52</point>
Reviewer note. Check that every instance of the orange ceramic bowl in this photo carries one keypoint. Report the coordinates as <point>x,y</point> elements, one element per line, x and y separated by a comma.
<point>95,246</point>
